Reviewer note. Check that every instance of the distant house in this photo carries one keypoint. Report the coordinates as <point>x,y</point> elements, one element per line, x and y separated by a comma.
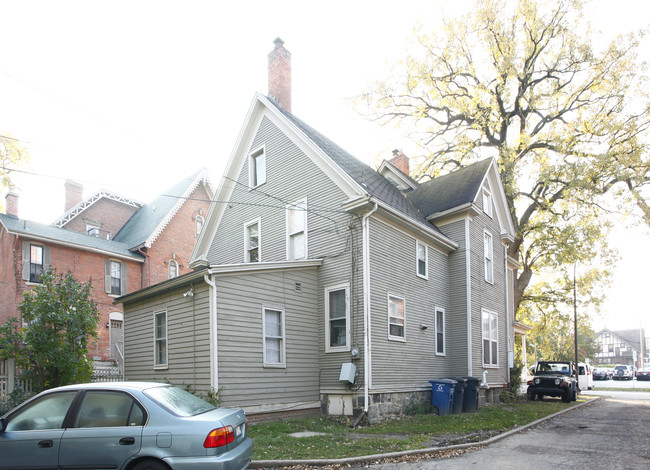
<point>626,347</point>
<point>117,243</point>
<point>324,286</point>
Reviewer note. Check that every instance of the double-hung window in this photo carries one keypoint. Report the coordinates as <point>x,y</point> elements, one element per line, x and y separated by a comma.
<point>422,253</point>
<point>487,202</point>
<point>252,241</point>
<point>337,314</point>
<point>488,256</point>
<point>160,339</point>
<point>396,318</point>
<point>273,337</point>
<point>490,322</point>
<point>173,269</point>
<point>257,168</point>
<point>440,332</point>
<point>35,263</point>
<point>115,277</point>
<point>297,230</point>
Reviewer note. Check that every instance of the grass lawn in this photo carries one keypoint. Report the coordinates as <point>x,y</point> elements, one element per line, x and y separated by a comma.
<point>336,438</point>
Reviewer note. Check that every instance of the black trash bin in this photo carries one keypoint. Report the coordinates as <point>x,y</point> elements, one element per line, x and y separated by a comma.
<point>442,395</point>
<point>459,393</point>
<point>470,397</point>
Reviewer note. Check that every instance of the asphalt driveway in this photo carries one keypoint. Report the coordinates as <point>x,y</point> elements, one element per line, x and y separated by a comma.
<point>612,433</point>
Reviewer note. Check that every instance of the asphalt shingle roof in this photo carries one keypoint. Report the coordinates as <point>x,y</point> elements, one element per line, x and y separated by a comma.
<point>143,223</point>
<point>373,182</point>
<point>451,190</point>
<point>31,229</point>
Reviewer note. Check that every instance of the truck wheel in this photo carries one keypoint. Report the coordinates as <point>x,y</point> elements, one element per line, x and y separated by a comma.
<point>574,396</point>
<point>540,396</point>
<point>531,396</point>
<point>566,396</point>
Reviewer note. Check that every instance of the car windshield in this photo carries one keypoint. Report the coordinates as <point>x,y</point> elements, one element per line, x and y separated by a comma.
<point>620,367</point>
<point>178,401</point>
<point>553,368</point>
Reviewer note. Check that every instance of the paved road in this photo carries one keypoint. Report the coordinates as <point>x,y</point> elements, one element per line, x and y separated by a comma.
<point>611,434</point>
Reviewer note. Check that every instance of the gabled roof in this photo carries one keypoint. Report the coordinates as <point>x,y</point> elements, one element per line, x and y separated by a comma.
<point>50,234</point>
<point>149,221</point>
<point>631,337</point>
<point>86,203</point>
<point>449,191</point>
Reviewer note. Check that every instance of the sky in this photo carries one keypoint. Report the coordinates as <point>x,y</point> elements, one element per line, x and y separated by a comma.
<point>132,96</point>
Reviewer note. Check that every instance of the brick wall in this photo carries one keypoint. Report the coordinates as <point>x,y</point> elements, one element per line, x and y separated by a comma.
<point>110,215</point>
<point>177,240</point>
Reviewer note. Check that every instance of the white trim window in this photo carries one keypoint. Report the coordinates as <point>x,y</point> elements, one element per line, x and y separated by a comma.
<point>198,226</point>
<point>160,339</point>
<point>396,318</point>
<point>173,269</point>
<point>273,326</point>
<point>440,332</point>
<point>252,241</point>
<point>297,230</point>
<point>36,263</point>
<point>487,202</point>
<point>337,318</point>
<point>422,255</point>
<point>257,167</point>
<point>114,277</point>
<point>488,257</point>
<point>490,322</point>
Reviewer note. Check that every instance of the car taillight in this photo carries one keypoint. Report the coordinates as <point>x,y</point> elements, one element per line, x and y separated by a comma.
<point>219,437</point>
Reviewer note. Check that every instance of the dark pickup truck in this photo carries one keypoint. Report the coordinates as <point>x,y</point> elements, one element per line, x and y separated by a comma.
<point>554,379</point>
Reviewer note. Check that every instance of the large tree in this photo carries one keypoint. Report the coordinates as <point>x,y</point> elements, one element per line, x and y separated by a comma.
<point>50,344</point>
<point>521,82</point>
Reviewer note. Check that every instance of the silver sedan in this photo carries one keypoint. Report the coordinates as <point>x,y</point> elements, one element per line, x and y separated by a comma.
<point>123,425</point>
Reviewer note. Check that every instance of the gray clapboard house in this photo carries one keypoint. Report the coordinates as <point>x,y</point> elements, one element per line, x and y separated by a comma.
<point>323,285</point>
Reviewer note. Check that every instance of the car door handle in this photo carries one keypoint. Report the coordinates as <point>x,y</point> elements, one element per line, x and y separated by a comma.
<point>45,443</point>
<point>127,441</point>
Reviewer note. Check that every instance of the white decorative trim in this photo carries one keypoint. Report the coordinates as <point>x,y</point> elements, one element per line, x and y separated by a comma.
<point>85,204</point>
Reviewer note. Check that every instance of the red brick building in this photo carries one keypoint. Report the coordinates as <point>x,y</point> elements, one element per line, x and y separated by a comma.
<point>116,243</point>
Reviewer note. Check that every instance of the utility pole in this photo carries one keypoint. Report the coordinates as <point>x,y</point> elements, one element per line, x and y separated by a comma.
<point>575,321</point>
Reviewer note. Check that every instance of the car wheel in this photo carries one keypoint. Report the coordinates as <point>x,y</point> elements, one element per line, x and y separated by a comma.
<point>574,397</point>
<point>566,396</point>
<point>150,465</point>
<point>540,396</point>
<point>531,396</point>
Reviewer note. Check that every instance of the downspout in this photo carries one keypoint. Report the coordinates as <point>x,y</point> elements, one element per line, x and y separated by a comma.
<point>142,269</point>
<point>214,350</point>
<point>468,280</point>
<point>510,347</point>
<point>367,357</point>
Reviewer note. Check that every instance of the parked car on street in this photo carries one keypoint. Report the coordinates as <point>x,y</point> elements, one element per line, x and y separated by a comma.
<point>602,374</point>
<point>623,373</point>
<point>643,374</point>
<point>135,425</point>
<point>555,379</point>
<point>585,376</point>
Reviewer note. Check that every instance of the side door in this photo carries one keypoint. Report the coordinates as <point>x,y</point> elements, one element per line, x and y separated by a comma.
<point>32,434</point>
<point>105,433</point>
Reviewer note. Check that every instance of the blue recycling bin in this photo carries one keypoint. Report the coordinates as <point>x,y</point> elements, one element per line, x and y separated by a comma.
<point>442,395</point>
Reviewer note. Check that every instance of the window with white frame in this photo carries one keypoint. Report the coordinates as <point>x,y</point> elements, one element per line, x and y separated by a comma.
<point>198,225</point>
<point>337,314</point>
<point>257,168</point>
<point>396,318</point>
<point>440,332</point>
<point>297,230</point>
<point>160,338</point>
<point>488,257</point>
<point>487,202</point>
<point>115,277</point>
<point>35,263</point>
<point>422,252</point>
<point>273,337</point>
<point>490,321</point>
<point>173,269</point>
<point>252,241</point>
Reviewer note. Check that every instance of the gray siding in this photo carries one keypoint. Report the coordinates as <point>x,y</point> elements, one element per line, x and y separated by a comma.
<point>243,378</point>
<point>188,336</point>
<point>410,364</point>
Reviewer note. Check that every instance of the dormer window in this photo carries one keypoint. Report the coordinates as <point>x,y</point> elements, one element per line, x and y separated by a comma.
<point>92,230</point>
<point>257,168</point>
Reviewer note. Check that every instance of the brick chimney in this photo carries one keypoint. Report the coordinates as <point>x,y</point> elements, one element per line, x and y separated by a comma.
<point>280,75</point>
<point>73,194</point>
<point>400,161</point>
<point>11,203</point>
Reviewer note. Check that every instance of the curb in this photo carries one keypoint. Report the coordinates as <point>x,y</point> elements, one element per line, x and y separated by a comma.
<point>407,453</point>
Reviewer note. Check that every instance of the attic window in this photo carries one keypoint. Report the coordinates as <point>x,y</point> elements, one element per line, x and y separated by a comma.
<point>257,168</point>
<point>487,202</point>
